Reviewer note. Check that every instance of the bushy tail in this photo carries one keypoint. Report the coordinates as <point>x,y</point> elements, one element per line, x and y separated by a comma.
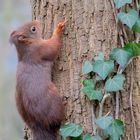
<point>43,134</point>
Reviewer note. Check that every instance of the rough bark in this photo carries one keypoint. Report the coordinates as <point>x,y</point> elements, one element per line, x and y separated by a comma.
<point>91,27</point>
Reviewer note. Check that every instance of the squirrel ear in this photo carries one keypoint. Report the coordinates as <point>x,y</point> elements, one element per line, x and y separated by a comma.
<point>21,38</point>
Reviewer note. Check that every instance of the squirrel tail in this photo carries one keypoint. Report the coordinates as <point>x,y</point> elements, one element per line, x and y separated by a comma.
<point>43,134</point>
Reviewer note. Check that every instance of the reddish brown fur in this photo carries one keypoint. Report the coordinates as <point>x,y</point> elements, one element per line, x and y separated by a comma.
<point>37,98</point>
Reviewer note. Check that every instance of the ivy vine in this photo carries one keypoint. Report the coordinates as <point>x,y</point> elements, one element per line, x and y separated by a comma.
<point>104,71</point>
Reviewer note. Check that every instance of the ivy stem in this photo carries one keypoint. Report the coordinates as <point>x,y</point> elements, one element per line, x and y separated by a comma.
<point>102,104</point>
<point>120,71</point>
<point>93,119</point>
<point>107,113</point>
<point>117,106</point>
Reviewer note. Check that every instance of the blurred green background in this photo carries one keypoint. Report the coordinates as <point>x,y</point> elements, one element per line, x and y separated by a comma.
<point>13,13</point>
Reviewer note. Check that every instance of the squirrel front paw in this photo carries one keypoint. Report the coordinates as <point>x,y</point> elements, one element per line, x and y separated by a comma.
<point>60,28</point>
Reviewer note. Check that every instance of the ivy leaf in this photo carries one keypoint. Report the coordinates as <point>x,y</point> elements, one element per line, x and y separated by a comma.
<point>93,94</point>
<point>99,57</point>
<point>77,138</point>
<point>121,56</point>
<point>103,68</point>
<point>133,48</point>
<point>89,83</point>
<point>104,122</point>
<point>88,137</point>
<point>71,130</point>
<point>129,18</point>
<point>115,130</point>
<point>120,3</point>
<point>98,78</point>
<point>88,90</point>
<point>136,27</point>
<point>87,67</point>
<point>115,84</point>
<point>97,95</point>
<point>97,137</point>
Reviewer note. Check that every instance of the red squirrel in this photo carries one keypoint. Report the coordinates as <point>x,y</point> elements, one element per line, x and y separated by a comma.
<point>37,98</point>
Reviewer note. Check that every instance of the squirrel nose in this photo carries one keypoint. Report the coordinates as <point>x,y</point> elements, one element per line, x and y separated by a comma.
<point>16,33</point>
<point>12,36</point>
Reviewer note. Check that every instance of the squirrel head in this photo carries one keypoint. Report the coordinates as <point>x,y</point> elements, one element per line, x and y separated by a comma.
<point>26,38</point>
<point>25,34</point>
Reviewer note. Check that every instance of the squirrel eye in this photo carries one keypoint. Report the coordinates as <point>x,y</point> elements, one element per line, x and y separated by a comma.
<point>33,29</point>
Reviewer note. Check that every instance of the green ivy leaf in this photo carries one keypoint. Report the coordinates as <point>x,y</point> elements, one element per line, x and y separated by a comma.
<point>88,137</point>
<point>129,18</point>
<point>100,56</point>
<point>97,95</point>
<point>88,90</point>
<point>115,130</point>
<point>71,130</point>
<point>93,94</point>
<point>87,67</point>
<point>98,78</point>
<point>121,56</point>
<point>136,27</point>
<point>97,137</point>
<point>104,122</point>
<point>89,83</point>
<point>120,3</point>
<point>133,48</point>
<point>115,84</point>
<point>103,68</point>
<point>77,138</point>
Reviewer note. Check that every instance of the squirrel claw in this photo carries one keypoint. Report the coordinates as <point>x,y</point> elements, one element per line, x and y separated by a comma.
<point>61,25</point>
<point>59,28</point>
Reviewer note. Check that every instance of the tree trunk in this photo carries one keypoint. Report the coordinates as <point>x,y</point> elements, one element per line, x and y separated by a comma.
<point>91,27</point>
